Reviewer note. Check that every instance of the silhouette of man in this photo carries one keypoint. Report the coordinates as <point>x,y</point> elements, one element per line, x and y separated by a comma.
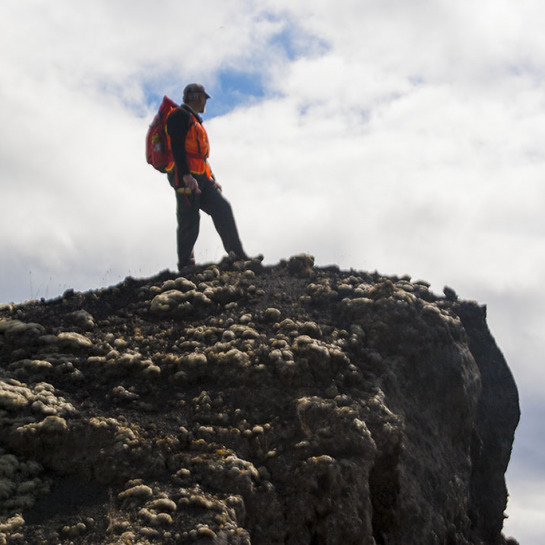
<point>192,178</point>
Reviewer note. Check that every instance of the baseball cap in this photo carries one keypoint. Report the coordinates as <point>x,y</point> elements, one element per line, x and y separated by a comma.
<point>194,89</point>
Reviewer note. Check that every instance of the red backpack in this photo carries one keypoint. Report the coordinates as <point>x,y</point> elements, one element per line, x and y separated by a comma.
<point>158,152</point>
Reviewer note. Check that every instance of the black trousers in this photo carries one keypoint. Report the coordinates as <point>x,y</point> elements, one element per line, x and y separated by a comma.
<point>211,201</point>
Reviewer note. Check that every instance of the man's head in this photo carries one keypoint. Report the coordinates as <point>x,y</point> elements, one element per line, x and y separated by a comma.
<point>195,96</point>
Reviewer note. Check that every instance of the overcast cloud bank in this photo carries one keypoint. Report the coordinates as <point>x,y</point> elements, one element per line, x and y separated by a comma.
<point>400,137</point>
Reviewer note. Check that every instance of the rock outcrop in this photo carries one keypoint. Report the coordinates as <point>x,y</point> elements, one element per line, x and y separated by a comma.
<point>246,404</point>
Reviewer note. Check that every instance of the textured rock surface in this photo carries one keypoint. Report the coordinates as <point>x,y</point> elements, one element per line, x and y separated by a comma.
<point>247,404</point>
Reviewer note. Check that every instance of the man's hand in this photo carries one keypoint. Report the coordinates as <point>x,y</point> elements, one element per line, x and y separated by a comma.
<point>191,183</point>
<point>216,185</point>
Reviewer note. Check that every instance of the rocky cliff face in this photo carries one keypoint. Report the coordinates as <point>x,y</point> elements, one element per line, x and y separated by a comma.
<point>246,404</point>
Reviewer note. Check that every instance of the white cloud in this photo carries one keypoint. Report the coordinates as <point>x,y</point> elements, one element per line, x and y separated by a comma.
<point>392,136</point>
<point>526,481</point>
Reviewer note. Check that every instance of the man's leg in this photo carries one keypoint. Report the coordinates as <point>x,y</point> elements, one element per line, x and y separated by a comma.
<point>214,204</point>
<point>187,214</point>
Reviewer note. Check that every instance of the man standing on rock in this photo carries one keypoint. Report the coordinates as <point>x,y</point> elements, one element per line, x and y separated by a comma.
<point>195,185</point>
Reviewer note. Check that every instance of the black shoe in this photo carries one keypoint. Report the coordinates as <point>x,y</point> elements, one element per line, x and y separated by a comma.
<point>232,257</point>
<point>184,266</point>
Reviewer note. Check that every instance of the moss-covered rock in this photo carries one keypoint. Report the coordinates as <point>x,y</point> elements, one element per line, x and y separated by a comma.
<point>243,404</point>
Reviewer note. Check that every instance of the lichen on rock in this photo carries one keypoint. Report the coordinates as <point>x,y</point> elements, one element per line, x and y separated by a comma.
<point>242,404</point>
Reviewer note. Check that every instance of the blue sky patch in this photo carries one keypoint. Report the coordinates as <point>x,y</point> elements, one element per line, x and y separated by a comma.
<point>234,88</point>
<point>245,82</point>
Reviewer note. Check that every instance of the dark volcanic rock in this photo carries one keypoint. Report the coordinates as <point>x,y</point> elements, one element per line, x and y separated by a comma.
<point>246,404</point>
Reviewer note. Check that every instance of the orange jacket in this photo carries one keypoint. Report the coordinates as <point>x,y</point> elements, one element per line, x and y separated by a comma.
<point>197,148</point>
<point>189,143</point>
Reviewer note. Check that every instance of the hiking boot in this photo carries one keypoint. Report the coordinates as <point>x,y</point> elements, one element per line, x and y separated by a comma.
<point>186,265</point>
<point>232,257</point>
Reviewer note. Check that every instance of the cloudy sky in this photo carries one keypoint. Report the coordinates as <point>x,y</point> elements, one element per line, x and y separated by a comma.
<point>403,137</point>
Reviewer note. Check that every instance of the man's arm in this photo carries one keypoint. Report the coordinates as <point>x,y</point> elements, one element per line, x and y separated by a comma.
<point>177,126</point>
